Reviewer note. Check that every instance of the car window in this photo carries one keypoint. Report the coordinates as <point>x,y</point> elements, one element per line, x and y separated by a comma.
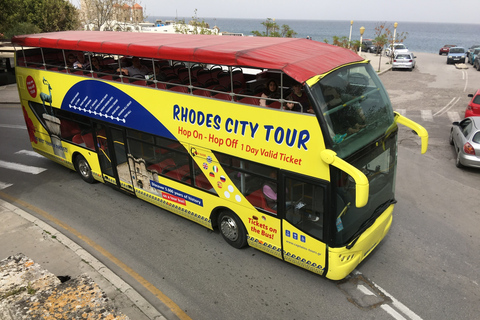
<point>403,56</point>
<point>476,99</point>
<point>476,51</point>
<point>457,50</point>
<point>467,128</point>
<point>400,46</point>
<point>476,137</point>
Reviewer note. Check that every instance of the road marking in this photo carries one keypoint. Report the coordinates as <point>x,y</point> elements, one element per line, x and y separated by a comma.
<point>30,153</point>
<point>397,304</point>
<point>150,287</point>
<point>448,106</point>
<point>453,116</point>
<point>364,290</point>
<point>392,312</point>
<point>466,80</point>
<point>21,167</point>
<point>4,185</point>
<point>427,115</point>
<point>13,126</point>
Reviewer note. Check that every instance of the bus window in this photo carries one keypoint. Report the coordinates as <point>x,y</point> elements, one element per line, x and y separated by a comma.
<point>305,203</point>
<point>353,102</point>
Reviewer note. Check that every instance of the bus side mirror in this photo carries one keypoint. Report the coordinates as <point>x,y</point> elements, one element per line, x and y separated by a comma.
<point>419,130</point>
<point>361,180</point>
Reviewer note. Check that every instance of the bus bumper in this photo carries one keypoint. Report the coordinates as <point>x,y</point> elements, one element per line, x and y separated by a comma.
<point>342,261</point>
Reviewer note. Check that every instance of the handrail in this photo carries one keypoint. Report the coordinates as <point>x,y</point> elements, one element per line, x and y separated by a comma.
<point>361,180</point>
<point>419,130</point>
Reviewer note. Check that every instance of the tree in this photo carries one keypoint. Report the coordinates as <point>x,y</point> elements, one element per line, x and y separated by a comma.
<point>195,26</point>
<point>273,30</point>
<point>29,16</point>
<point>101,12</point>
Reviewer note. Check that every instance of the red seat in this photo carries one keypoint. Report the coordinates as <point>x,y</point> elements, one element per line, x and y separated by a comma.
<point>179,89</point>
<point>162,166</point>
<point>181,174</point>
<point>200,92</point>
<point>202,182</point>
<point>69,129</point>
<point>249,100</point>
<point>274,105</point>
<point>257,200</point>
<point>88,138</point>
<point>223,96</point>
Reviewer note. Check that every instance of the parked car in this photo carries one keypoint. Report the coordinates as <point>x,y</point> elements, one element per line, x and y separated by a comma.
<point>404,61</point>
<point>396,48</point>
<point>369,46</point>
<point>471,55</point>
<point>446,48</point>
<point>473,47</point>
<point>456,55</point>
<point>465,137</point>
<point>473,108</point>
<point>476,64</point>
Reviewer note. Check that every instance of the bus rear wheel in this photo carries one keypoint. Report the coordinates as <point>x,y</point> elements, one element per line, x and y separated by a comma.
<point>232,229</point>
<point>83,168</point>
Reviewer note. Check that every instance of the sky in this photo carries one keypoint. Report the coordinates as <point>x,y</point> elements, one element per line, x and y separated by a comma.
<point>459,11</point>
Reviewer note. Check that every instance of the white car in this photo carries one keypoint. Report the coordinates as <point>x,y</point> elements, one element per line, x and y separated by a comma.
<point>397,48</point>
<point>403,61</point>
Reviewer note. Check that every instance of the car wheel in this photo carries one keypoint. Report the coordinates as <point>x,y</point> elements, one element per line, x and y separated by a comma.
<point>457,161</point>
<point>83,168</point>
<point>232,229</point>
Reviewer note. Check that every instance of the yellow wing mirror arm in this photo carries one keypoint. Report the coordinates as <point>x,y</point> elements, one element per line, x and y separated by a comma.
<point>361,180</point>
<point>419,130</point>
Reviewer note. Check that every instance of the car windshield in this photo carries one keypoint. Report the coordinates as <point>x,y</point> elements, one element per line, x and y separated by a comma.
<point>457,50</point>
<point>400,46</point>
<point>368,42</point>
<point>355,106</point>
<point>476,137</point>
<point>476,51</point>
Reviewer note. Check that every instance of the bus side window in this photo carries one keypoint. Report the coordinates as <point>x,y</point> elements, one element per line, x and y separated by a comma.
<point>304,205</point>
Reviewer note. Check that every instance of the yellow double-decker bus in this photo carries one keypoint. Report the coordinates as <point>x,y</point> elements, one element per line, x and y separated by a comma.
<point>285,145</point>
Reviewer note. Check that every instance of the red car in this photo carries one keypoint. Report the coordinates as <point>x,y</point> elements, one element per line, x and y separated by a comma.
<point>446,48</point>
<point>473,108</point>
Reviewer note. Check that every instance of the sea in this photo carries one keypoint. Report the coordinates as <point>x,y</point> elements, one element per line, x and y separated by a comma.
<point>420,36</point>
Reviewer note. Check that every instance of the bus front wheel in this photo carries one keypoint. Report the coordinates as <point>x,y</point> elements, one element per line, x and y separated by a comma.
<point>232,229</point>
<point>84,169</point>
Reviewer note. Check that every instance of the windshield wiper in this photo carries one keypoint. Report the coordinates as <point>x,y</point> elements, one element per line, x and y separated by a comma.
<point>370,221</point>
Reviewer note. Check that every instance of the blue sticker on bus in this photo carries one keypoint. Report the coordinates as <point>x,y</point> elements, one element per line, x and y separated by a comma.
<point>102,101</point>
<point>177,193</point>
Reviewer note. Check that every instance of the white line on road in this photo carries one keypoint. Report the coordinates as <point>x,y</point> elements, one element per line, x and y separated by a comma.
<point>397,304</point>
<point>21,167</point>
<point>448,106</point>
<point>4,185</point>
<point>392,312</point>
<point>453,116</point>
<point>426,115</point>
<point>466,80</point>
<point>12,126</point>
<point>30,153</point>
<point>365,290</point>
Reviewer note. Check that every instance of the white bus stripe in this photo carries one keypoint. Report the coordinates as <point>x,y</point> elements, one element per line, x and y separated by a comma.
<point>21,167</point>
<point>392,312</point>
<point>29,153</point>
<point>12,126</point>
<point>4,185</point>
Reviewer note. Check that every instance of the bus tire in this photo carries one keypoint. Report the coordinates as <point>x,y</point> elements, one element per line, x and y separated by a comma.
<point>83,168</point>
<point>232,229</point>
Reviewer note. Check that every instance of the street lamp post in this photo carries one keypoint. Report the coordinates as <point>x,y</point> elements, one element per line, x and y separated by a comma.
<point>393,41</point>
<point>362,30</point>
<point>350,37</point>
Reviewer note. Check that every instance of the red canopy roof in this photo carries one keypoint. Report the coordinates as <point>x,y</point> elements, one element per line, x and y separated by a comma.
<point>301,59</point>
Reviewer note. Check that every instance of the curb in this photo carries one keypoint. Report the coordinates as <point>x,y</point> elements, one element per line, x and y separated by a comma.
<point>140,302</point>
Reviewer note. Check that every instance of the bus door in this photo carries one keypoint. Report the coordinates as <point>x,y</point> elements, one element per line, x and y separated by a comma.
<point>303,225</point>
<point>113,157</point>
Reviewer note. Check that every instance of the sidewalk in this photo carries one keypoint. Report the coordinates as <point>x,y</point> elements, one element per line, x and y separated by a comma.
<point>375,60</point>
<point>35,259</point>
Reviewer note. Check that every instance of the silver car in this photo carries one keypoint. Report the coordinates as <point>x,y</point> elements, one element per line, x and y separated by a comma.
<point>465,137</point>
<point>404,61</point>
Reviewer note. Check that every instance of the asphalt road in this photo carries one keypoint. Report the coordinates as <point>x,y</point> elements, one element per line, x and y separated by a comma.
<point>426,268</point>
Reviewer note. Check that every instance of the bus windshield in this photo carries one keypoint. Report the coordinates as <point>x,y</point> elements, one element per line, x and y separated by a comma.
<point>355,106</point>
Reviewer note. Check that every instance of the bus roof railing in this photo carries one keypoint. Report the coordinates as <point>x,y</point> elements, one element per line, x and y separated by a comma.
<point>299,58</point>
